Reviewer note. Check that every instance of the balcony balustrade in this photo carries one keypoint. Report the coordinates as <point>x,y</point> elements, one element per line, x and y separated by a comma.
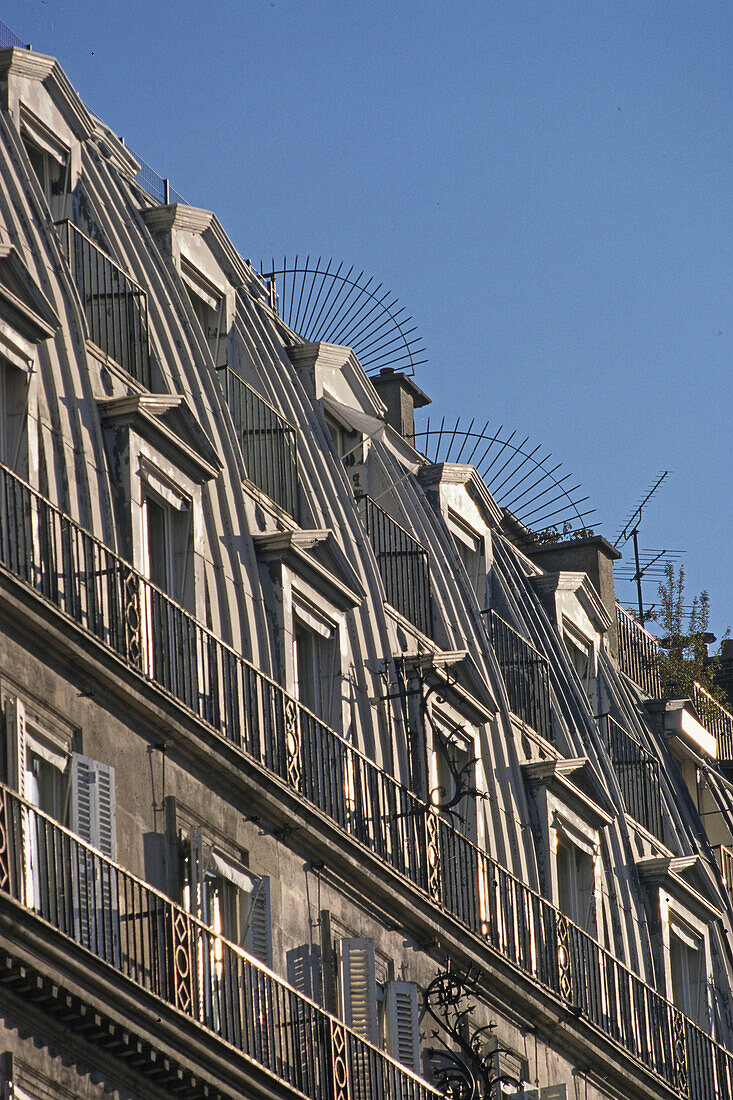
<point>637,772</point>
<point>168,952</point>
<point>102,593</point>
<point>115,307</point>
<point>404,566</point>
<point>526,674</point>
<point>638,654</point>
<point>716,720</point>
<point>268,441</point>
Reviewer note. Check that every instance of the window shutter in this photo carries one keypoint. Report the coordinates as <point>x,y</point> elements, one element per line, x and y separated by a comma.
<point>402,1020</point>
<point>258,939</point>
<point>15,745</point>
<point>96,912</point>
<point>93,803</point>
<point>358,987</point>
<point>304,971</point>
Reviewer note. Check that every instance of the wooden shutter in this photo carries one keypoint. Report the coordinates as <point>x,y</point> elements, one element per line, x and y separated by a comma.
<point>258,936</point>
<point>402,1023</point>
<point>358,987</point>
<point>15,745</point>
<point>93,803</point>
<point>304,971</point>
<point>96,909</point>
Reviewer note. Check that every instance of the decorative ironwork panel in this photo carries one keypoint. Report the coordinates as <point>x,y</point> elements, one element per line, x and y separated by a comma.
<point>432,833</point>
<point>564,960</point>
<point>181,962</point>
<point>133,639</point>
<point>292,744</point>
<point>679,1053</point>
<point>339,1062</point>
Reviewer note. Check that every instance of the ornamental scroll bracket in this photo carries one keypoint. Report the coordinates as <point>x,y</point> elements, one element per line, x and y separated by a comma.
<point>465,1064</point>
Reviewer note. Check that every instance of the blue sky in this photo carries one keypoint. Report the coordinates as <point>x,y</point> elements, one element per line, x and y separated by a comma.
<point>545,186</point>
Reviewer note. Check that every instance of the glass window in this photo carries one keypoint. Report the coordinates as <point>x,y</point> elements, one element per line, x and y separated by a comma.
<point>14,418</point>
<point>576,884</point>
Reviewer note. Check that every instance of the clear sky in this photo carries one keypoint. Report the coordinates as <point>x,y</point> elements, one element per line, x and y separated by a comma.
<point>545,186</point>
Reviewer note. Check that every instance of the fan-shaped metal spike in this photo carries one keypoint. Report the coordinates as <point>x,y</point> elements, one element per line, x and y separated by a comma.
<point>324,301</point>
<point>517,474</point>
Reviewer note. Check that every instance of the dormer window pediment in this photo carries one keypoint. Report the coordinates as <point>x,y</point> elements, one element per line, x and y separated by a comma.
<point>317,558</point>
<point>575,784</point>
<point>26,315</point>
<point>166,422</point>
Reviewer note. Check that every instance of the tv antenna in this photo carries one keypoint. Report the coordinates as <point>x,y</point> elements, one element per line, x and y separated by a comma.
<point>651,558</point>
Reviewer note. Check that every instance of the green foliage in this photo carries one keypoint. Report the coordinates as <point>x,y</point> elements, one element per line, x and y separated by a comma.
<point>683,651</point>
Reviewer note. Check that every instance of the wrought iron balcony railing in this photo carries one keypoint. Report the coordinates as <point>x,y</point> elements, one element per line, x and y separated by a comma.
<point>637,772</point>
<point>101,592</point>
<point>716,720</point>
<point>168,952</point>
<point>638,654</point>
<point>115,307</point>
<point>268,441</point>
<point>404,565</point>
<point>526,674</point>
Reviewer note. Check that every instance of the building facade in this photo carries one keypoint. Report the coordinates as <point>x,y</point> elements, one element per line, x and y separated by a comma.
<point>320,776</point>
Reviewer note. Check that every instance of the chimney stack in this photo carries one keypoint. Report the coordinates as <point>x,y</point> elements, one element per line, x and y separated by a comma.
<point>402,397</point>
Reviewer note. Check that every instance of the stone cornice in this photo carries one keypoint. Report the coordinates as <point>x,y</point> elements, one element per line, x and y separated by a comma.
<point>47,71</point>
<point>183,437</point>
<point>335,579</point>
<point>455,473</point>
<point>579,584</point>
<point>23,304</point>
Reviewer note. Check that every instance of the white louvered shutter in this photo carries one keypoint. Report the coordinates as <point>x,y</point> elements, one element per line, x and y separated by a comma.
<point>96,912</point>
<point>15,745</point>
<point>358,987</point>
<point>93,803</point>
<point>258,937</point>
<point>402,1023</point>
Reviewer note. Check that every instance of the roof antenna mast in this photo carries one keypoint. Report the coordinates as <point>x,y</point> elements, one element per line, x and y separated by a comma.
<point>631,531</point>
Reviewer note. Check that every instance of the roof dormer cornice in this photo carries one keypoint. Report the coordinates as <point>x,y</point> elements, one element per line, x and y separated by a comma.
<point>30,66</point>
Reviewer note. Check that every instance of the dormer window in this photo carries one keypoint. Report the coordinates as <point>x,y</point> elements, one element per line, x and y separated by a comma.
<point>209,303</point>
<point>167,551</point>
<point>316,660</point>
<point>684,908</point>
<point>470,545</point>
<point>26,319</point>
<point>50,160</point>
<point>582,655</point>
<point>571,822</point>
